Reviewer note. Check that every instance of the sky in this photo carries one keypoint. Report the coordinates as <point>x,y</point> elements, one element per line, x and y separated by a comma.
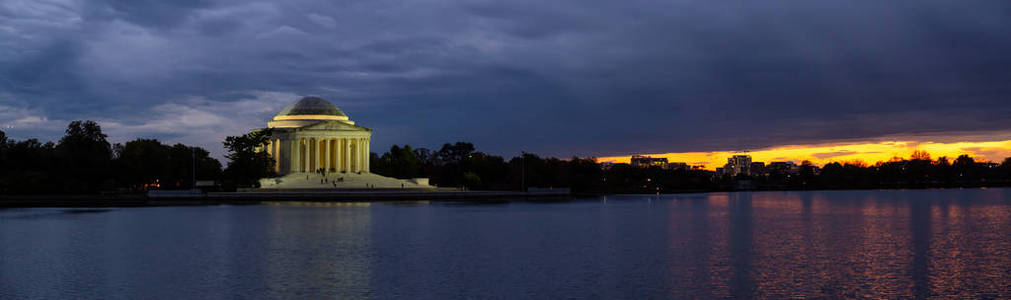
<point>558,78</point>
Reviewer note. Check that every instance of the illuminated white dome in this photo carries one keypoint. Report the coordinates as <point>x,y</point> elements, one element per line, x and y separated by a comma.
<point>307,111</point>
<point>311,106</point>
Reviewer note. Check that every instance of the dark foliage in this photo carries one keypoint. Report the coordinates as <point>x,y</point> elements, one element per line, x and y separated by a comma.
<point>86,156</point>
<point>147,162</point>
<point>247,164</point>
<point>459,165</point>
<point>83,162</point>
<point>917,172</point>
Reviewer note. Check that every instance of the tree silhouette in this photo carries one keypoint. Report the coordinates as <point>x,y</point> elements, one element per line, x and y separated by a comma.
<point>920,155</point>
<point>143,161</point>
<point>246,164</point>
<point>84,162</point>
<point>148,161</point>
<point>454,153</point>
<point>86,156</point>
<point>964,161</point>
<point>3,152</point>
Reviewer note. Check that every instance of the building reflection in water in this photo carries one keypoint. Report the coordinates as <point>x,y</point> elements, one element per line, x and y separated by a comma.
<point>318,249</point>
<point>741,235</point>
<point>694,246</point>
<point>920,228</point>
<point>826,244</point>
<point>188,252</point>
<point>853,244</point>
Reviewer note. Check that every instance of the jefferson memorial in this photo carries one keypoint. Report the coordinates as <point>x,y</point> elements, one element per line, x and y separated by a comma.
<point>313,134</point>
<point>316,145</point>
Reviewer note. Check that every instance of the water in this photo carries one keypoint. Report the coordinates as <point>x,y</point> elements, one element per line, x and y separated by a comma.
<point>935,243</point>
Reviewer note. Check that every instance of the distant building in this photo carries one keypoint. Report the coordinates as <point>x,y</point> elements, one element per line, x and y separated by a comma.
<point>737,165</point>
<point>640,161</point>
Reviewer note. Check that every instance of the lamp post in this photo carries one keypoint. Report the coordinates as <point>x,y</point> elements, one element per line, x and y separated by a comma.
<point>523,171</point>
<point>193,167</point>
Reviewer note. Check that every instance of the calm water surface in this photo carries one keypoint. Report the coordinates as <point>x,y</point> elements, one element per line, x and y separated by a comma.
<point>938,243</point>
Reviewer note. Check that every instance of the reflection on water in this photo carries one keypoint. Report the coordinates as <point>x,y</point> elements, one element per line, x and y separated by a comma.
<point>741,237</point>
<point>182,252</point>
<point>941,243</point>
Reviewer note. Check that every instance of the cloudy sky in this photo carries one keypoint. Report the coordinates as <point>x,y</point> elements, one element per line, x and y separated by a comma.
<point>557,77</point>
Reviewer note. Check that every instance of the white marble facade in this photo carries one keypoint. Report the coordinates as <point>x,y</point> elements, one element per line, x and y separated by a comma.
<point>313,134</point>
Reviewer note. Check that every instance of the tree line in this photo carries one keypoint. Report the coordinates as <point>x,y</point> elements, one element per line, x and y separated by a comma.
<point>84,162</point>
<point>459,165</point>
<point>919,171</point>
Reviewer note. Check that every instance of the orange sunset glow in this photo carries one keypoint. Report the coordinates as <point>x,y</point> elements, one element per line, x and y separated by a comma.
<point>820,154</point>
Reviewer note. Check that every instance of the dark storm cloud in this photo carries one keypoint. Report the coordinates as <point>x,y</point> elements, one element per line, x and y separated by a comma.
<point>147,13</point>
<point>557,77</point>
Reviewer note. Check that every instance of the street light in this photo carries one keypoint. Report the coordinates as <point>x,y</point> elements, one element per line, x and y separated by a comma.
<point>523,171</point>
<point>193,167</point>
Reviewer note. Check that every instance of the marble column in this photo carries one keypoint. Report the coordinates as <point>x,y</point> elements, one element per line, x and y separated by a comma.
<point>295,149</point>
<point>354,154</point>
<point>337,155</point>
<point>303,154</point>
<point>358,156</point>
<point>347,155</point>
<point>333,154</point>
<point>274,153</point>
<point>326,155</point>
<point>361,154</point>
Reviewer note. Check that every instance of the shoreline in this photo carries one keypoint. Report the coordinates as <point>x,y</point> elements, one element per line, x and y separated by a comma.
<point>260,197</point>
